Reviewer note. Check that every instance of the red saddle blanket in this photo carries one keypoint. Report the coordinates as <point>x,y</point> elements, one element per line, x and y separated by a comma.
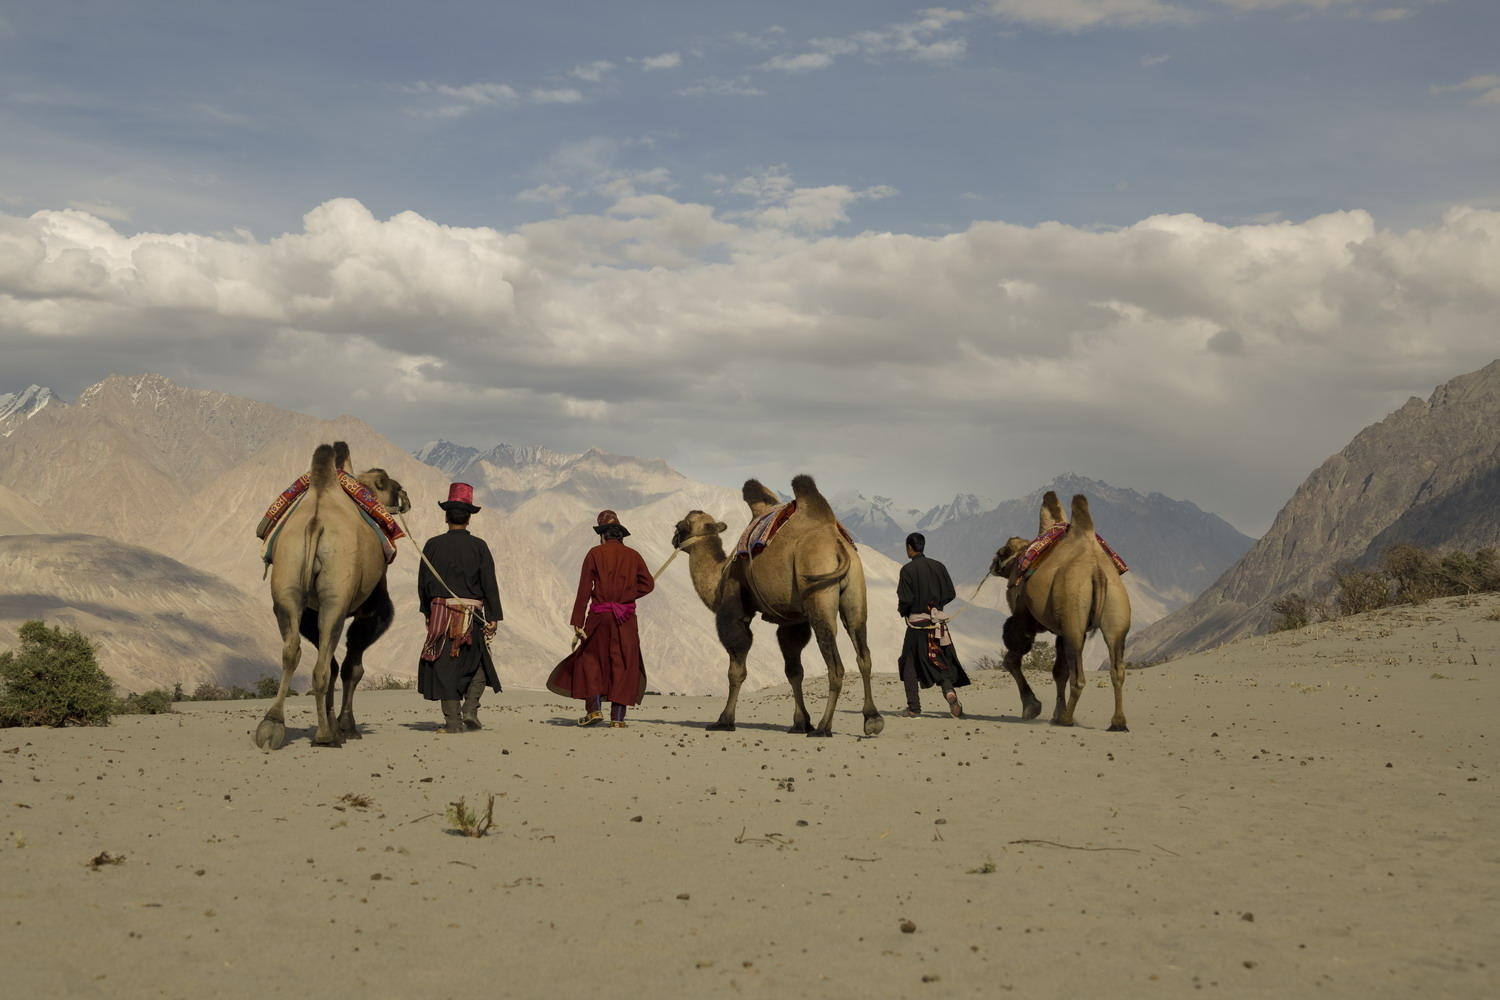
<point>1043,544</point>
<point>759,532</point>
<point>357,491</point>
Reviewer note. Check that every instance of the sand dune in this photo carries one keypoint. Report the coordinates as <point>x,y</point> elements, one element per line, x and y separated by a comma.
<point>1304,814</point>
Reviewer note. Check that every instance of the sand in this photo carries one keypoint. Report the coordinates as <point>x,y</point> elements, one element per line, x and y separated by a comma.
<point>1311,814</point>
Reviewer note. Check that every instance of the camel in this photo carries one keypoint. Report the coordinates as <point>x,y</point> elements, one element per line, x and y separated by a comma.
<point>1074,589</point>
<point>329,567</point>
<point>804,581</point>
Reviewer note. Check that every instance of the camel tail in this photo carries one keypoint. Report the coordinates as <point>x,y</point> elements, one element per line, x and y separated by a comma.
<point>324,472</point>
<point>1082,519</point>
<point>341,455</point>
<point>810,501</point>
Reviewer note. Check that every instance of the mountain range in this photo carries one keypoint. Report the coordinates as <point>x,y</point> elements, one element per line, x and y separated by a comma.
<point>1428,474</point>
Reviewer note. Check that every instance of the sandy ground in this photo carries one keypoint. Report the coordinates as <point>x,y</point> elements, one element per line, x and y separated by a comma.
<point>1312,814</point>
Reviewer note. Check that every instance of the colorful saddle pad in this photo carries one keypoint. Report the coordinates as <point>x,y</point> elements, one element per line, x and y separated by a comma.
<point>759,532</point>
<point>1026,565</point>
<point>268,550</point>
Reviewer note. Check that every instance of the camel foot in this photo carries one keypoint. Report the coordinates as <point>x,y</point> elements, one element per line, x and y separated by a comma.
<point>721,727</point>
<point>874,725</point>
<point>330,739</point>
<point>1062,722</point>
<point>1031,709</point>
<point>821,732</point>
<point>1118,727</point>
<point>270,734</point>
<point>800,726</point>
<point>349,730</point>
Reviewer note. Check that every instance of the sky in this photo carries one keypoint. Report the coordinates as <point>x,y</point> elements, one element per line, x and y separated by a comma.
<point>1186,246</point>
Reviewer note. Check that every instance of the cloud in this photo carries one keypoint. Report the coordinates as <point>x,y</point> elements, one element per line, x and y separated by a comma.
<point>1149,61</point>
<point>555,195</point>
<point>1485,88</point>
<point>1078,15</point>
<point>559,95</point>
<point>714,86</point>
<point>593,72</point>
<point>103,209</point>
<point>667,60</point>
<point>917,40</point>
<point>1140,354</point>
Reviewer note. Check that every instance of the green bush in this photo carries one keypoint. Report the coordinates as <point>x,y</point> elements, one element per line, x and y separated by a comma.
<point>1361,590</point>
<point>209,692</point>
<point>146,703</point>
<point>1043,656</point>
<point>1293,611</point>
<point>267,686</point>
<point>53,680</point>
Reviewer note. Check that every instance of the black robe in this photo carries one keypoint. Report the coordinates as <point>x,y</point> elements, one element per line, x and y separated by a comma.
<point>926,586</point>
<point>465,564</point>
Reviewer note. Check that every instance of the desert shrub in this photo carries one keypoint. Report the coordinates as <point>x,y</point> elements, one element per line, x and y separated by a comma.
<point>1293,611</point>
<point>153,702</point>
<point>53,680</point>
<point>1042,657</point>
<point>1488,561</point>
<point>390,682</point>
<point>1460,573</point>
<point>1361,590</point>
<point>987,662</point>
<point>1413,571</point>
<point>267,686</point>
<point>177,694</point>
<point>209,692</point>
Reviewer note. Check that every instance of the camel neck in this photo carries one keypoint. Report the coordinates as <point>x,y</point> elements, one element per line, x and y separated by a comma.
<point>706,564</point>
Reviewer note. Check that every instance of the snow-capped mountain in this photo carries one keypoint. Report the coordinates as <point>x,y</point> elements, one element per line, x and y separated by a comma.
<point>876,521</point>
<point>16,407</point>
<point>962,506</point>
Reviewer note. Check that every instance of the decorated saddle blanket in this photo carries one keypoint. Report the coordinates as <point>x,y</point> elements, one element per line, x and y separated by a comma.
<point>1026,564</point>
<point>370,507</point>
<point>759,532</point>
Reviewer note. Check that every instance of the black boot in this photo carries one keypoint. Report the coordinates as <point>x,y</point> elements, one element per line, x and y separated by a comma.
<point>453,723</point>
<point>471,702</point>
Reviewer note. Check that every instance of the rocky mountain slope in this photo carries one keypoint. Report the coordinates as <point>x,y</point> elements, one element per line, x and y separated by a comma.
<point>17,407</point>
<point>156,621</point>
<point>1428,473</point>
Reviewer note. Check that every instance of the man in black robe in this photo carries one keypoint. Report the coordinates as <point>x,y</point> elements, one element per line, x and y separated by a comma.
<point>462,604</point>
<point>927,654</point>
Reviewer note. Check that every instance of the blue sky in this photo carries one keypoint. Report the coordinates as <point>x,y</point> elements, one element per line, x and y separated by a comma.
<point>843,201</point>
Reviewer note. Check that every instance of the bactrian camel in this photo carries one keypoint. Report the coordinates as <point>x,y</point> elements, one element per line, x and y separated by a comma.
<point>329,567</point>
<point>1073,590</point>
<point>806,580</point>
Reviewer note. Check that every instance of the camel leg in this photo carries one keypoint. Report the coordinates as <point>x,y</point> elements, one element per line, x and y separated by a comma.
<point>330,629</point>
<point>1060,674</point>
<point>1074,676</point>
<point>369,625</point>
<point>1018,642</point>
<point>271,733</point>
<point>735,635</point>
<point>823,613</point>
<point>793,639</point>
<point>1116,642</point>
<point>852,611</point>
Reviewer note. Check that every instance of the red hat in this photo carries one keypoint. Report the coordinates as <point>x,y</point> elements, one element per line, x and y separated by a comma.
<point>460,497</point>
<point>609,519</point>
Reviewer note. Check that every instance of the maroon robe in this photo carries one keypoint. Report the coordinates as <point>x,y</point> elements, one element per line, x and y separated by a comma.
<point>608,663</point>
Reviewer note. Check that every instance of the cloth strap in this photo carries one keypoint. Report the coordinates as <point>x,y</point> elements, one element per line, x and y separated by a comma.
<point>622,612</point>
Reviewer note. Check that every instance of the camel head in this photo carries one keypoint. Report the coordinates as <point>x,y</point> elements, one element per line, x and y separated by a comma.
<point>387,490</point>
<point>696,525</point>
<point>1007,555</point>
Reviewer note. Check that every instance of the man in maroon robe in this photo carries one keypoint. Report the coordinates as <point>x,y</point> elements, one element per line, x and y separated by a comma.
<point>606,663</point>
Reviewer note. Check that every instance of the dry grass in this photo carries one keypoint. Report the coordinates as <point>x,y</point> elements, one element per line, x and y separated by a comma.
<point>469,823</point>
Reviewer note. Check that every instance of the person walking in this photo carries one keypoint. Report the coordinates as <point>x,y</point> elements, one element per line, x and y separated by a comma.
<point>606,658</point>
<point>458,594</point>
<point>927,654</point>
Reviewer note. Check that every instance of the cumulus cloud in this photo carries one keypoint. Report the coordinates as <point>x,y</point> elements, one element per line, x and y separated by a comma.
<point>918,40</point>
<point>458,100</point>
<point>1077,15</point>
<point>667,60</point>
<point>715,86</point>
<point>1485,89</point>
<point>990,358</point>
<point>593,72</point>
<point>557,95</point>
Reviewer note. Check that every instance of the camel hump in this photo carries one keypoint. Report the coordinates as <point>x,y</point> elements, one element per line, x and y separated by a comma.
<point>810,501</point>
<point>754,492</point>
<point>1082,519</point>
<point>341,455</point>
<point>324,471</point>
<point>1052,511</point>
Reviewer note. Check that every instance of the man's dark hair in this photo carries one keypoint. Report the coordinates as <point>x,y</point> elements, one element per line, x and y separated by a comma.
<point>456,516</point>
<point>916,541</point>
